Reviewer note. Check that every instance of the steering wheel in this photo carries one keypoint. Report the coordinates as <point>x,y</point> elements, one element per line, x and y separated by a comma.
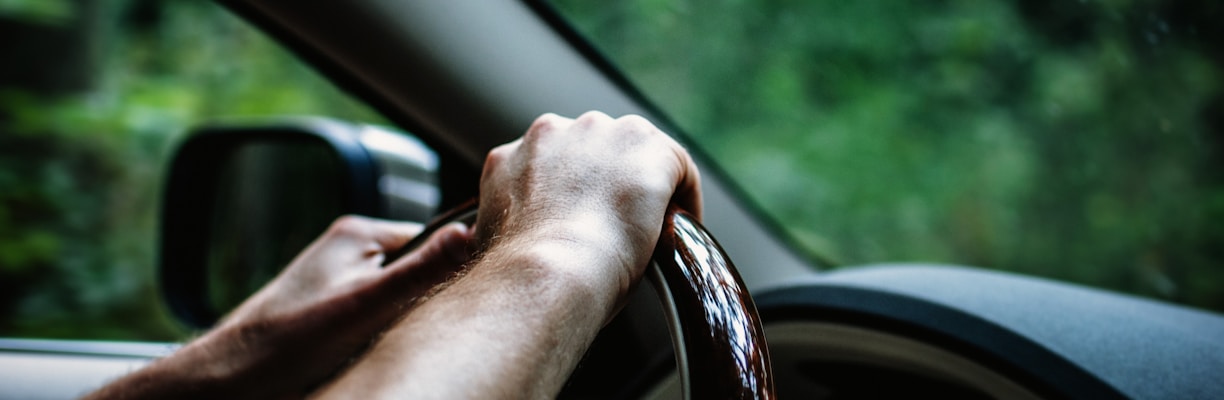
<point>716,332</point>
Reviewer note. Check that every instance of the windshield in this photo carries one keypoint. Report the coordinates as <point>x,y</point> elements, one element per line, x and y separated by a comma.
<point>1074,140</point>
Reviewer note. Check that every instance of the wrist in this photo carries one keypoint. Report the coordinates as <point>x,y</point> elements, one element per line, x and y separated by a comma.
<point>211,363</point>
<point>186,374</point>
<point>561,268</point>
<point>230,361</point>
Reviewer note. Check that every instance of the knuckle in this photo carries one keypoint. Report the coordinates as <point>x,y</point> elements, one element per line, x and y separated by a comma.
<point>545,126</point>
<point>590,118</point>
<point>534,136</point>
<point>347,225</point>
<point>641,130</point>
<point>545,122</point>
<point>638,123</point>
<point>495,158</point>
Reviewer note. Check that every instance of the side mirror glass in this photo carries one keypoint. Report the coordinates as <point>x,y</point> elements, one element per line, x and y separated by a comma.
<point>242,200</point>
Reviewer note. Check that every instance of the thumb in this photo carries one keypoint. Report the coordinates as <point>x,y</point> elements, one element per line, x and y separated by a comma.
<point>443,253</point>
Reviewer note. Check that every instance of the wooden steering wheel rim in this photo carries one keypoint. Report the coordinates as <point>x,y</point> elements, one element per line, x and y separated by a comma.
<point>716,332</point>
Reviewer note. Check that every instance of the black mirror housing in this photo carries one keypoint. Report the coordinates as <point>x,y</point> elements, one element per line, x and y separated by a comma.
<point>242,199</point>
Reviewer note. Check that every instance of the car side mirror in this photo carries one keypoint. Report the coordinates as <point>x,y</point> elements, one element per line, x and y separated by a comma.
<point>242,200</point>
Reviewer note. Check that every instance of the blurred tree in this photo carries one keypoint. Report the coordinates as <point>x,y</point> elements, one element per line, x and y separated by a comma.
<point>94,98</point>
<point>1073,140</point>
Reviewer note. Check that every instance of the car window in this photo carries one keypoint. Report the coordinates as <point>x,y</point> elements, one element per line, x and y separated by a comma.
<point>1077,140</point>
<point>94,96</point>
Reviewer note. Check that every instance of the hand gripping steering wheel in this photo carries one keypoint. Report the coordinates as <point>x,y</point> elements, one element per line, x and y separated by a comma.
<point>716,333</point>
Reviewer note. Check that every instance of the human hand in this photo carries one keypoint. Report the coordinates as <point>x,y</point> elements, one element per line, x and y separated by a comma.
<point>593,188</point>
<point>326,306</point>
<point>569,216</point>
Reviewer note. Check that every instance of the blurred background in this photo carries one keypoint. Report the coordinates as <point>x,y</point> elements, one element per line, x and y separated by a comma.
<point>1076,140</point>
<point>94,97</point>
<point>1079,141</point>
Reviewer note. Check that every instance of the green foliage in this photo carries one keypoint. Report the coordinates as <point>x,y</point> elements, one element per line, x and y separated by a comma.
<point>80,173</point>
<point>39,11</point>
<point>1073,140</point>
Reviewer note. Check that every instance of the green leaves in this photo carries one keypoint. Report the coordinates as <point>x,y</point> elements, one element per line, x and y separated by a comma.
<point>1072,140</point>
<point>49,12</point>
<point>81,172</point>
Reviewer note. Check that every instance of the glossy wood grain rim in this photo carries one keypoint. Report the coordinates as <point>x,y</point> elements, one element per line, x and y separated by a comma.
<point>717,334</point>
<point>720,345</point>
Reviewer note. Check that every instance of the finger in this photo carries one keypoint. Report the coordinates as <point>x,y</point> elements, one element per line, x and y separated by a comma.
<point>688,186</point>
<point>371,238</point>
<point>386,234</point>
<point>448,245</point>
<point>392,235</point>
<point>686,191</point>
<point>442,256</point>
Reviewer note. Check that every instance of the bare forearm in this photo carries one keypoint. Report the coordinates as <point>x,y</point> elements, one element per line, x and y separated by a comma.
<point>513,327</point>
<point>314,317</point>
<point>233,361</point>
<point>584,199</point>
<point>189,373</point>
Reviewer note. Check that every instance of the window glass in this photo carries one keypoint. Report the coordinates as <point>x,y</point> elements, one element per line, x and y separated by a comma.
<point>1078,140</point>
<point>94,96</point>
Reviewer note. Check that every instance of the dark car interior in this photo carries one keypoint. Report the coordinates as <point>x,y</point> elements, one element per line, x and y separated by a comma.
<point>450,76</point>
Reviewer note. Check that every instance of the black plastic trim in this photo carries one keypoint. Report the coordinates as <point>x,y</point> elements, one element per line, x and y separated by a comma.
<point>1036,367</point>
